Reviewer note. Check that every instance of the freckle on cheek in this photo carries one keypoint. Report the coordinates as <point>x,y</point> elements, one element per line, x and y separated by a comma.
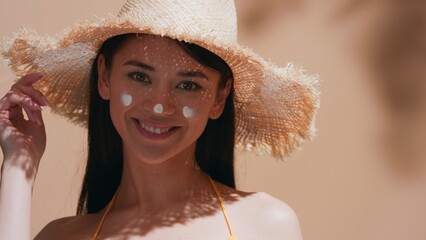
<point>187,112</point>
<point>126,99</point>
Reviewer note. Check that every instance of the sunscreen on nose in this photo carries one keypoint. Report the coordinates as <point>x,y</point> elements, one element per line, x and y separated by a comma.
<point>158,108</point>
<point>126,99</point>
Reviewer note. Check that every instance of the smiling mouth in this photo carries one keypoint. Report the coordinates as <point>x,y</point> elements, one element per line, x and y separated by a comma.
<point>155,129</point>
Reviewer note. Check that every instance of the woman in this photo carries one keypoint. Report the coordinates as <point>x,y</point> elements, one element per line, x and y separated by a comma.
<point>160,122</point>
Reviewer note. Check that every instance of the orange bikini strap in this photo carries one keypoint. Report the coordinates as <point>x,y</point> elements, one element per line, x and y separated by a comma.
<point>101,223</point>
<point>222,205</point>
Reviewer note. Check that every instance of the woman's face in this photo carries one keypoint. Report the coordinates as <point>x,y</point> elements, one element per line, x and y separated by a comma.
<point>160,97</point>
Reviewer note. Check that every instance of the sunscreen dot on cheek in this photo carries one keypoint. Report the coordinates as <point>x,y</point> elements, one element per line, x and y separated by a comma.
<point>187,112</point>
<point>158,108</point>
<point>126,99</point>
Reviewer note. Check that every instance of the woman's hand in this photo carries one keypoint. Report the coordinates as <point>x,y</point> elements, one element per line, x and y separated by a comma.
<point>23,141</point>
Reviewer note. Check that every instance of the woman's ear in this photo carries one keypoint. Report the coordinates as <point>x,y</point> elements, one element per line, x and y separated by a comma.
<point>221,97</point>
<point>103,79</point>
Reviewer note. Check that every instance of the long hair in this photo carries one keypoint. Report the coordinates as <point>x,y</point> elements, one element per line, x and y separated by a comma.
<point>214,152</point>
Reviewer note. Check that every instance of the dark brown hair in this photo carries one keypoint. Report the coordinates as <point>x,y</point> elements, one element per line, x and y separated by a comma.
<point>214,151</point>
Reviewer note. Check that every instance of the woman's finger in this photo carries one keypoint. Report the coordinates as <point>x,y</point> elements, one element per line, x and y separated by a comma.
<point>34,116</point>
<point>14,102</point>
<point>34,94</point>
<point>28,80</point>
<point>17,98</point>
<point>24,85</point>
<point>39,118</point>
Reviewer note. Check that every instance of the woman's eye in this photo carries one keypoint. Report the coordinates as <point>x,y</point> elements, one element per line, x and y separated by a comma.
<point>139,77</point>
<point>189,86</point>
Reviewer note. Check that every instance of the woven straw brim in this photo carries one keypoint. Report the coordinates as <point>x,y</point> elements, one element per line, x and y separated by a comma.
<point>275,107</point>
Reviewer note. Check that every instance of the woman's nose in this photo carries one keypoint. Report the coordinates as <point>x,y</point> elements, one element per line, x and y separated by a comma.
<point>160,103</point>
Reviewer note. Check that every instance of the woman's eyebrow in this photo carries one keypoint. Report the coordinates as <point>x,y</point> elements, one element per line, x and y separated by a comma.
<point>193,74</point>
<point>139,64</point>
<point>190,73</point>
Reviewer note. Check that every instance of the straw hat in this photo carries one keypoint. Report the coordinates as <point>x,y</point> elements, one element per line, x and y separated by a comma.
<point>275,107</point>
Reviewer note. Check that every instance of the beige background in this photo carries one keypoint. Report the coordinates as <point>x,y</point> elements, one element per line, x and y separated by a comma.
<point>364,175</point>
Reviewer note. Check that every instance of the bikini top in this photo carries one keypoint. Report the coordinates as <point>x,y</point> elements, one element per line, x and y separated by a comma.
<point>219,197</point>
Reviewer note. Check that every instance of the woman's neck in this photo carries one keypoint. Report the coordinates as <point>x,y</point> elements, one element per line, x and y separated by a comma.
<point>152,186</point>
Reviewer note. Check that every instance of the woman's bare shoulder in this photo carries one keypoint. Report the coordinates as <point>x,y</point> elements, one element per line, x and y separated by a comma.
<point>74,227</point>
<point>259,214</point>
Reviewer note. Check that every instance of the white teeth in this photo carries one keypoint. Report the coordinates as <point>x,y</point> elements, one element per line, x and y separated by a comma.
<point>154,129</point>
